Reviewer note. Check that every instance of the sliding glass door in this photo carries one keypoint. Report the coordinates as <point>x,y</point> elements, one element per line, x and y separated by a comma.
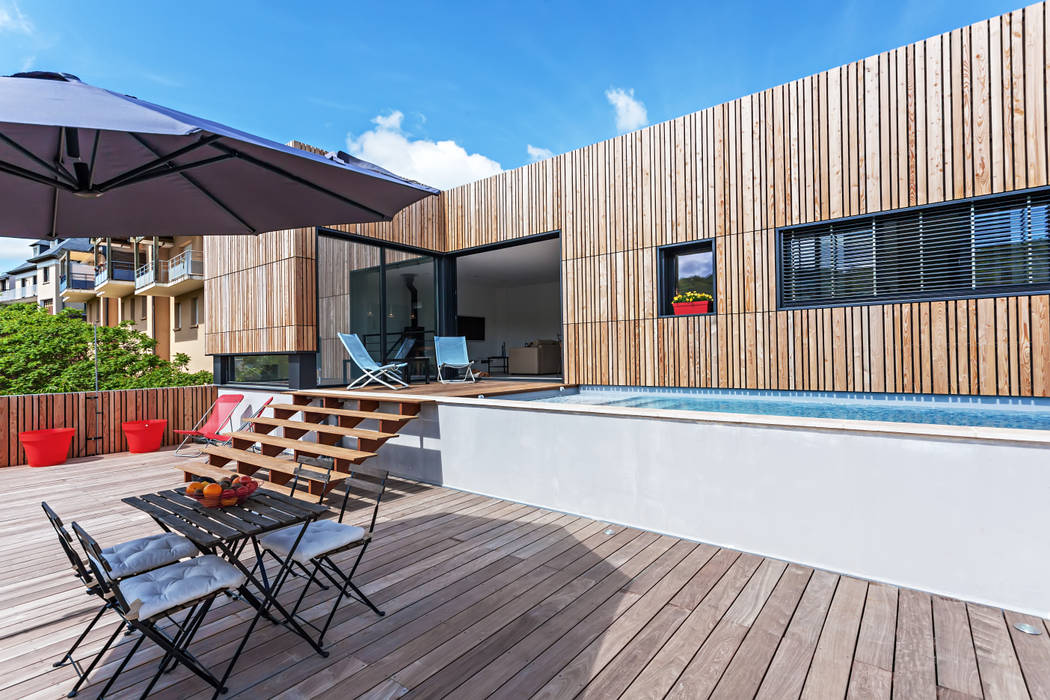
<point>388,297</point>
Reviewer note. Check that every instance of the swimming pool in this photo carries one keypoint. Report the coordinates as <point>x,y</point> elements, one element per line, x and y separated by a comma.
<point>1028,413</point>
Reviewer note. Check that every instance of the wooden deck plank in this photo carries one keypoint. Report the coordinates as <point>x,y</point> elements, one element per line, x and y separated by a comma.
<point>487,597</point>
<point>1000,671</point>
<point>953,645</point>
<point>914,671</point>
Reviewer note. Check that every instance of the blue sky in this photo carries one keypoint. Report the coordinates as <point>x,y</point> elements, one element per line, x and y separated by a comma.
<point>450,92</point>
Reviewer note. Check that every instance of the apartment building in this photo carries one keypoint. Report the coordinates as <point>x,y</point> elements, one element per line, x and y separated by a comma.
<point>37,279</point>
<point>156,283</point>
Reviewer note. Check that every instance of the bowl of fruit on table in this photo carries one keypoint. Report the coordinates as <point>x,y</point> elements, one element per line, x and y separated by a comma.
<point>227,492</point>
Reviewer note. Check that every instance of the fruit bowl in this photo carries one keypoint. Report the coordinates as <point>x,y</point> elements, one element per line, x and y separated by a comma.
<point>216,494</point>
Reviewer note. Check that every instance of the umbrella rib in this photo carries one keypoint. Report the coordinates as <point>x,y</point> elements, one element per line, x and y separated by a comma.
<point>12,169</point>
<point>32,156</point>
<point>202,189</point>
<point>300,180</point>
<point>162,172</point>
<point>157,162</point>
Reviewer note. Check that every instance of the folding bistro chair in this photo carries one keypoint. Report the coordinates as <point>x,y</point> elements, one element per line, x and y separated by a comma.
<point>207,429</point>
<point>125,559</point>
<point>372,371</point>
<point>325,538</point>
<point>451,352</point>
<point>142,601</point>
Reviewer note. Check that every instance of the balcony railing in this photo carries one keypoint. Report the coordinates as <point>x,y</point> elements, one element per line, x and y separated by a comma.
<point>26,292</point>
<point>76,280</point>
<point>117,271</point>
<point>187,264</point>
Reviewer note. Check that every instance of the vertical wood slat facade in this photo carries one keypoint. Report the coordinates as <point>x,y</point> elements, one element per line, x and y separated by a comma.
<point>181,406</point>
<point>957,115</point>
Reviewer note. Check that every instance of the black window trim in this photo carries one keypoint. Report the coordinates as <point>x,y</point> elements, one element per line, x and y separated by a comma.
<point>663,307</point>
<point>985,293</point>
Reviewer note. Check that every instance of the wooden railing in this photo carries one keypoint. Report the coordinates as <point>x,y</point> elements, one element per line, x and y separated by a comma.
<point>97,416</point>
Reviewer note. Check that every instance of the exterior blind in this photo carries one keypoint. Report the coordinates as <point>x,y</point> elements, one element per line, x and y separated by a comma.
<point>982,247</point>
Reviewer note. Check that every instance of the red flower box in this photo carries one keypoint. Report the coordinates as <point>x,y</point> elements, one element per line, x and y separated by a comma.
<point>692,307</point>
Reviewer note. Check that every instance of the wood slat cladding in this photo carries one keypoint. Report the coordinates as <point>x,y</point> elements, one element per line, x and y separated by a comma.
<point>182,407</point>
<point>957,115</point>
<point>260,292</point>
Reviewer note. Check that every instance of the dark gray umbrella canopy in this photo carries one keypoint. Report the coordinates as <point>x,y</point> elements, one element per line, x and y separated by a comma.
<point>77,160</point>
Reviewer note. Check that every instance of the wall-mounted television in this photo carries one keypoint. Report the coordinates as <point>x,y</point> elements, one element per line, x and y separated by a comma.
<point>472,327</point>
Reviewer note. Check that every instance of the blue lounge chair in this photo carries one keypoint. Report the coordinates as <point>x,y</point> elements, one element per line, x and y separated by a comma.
<point>452,353</point>
<point>371,370</point>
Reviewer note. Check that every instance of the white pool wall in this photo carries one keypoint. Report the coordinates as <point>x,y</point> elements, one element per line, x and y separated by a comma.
<point>943,509</point>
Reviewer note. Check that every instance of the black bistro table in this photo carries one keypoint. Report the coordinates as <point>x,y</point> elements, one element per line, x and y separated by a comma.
<point>226,531</point>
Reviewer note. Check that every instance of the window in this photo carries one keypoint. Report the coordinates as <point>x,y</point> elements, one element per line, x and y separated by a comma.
<point>45,271</point>
<point>988,246</point>
<point>194,312</point>
<point>689,267</point>
<point>176,322</point>
<point>144,303</point>
<point>258,369</point>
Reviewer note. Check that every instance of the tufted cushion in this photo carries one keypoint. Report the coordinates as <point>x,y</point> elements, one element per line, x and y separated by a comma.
<point>156,591</point>
<point>321,536</point>
<point>147,553</point>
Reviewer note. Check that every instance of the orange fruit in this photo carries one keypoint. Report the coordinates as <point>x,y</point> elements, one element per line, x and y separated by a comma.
<point>212,490</point>
<point>194,487</point>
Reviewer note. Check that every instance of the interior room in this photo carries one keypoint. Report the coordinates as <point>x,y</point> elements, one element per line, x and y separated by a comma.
<point>509,308</point>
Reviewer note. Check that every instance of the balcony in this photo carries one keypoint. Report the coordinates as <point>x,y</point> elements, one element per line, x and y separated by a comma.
<point>171,278</point>
<point>18,294</point>
<point>77,287</point>
<point>117,279</point>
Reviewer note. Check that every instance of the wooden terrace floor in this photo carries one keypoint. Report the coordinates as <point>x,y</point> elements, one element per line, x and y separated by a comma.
<point>487,598</point>
<point>487,386</point>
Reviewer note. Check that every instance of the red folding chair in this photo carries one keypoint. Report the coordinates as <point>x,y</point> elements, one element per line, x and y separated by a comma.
<point>206,431</point>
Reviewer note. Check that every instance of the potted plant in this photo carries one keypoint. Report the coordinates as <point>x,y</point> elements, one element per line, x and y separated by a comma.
<point>691,303</point>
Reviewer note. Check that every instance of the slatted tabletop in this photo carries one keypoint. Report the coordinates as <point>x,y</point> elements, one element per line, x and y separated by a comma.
<point>262,512</point>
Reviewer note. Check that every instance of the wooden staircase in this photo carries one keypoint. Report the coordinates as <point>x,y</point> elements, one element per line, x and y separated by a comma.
<point>315,424</point>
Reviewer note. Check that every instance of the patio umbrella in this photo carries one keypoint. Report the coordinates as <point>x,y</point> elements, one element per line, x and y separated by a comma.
<point>77,160</point>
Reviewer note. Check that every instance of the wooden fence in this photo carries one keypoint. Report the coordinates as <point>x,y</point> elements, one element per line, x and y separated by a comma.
<point>97,416</point>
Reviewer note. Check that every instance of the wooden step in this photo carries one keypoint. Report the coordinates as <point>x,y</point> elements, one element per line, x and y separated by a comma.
<point>359,433</point>
<point>276,464</point>
<point>307,446</point>
<point>321,410</point>
<point>191,469</point>
<point>358,396</point>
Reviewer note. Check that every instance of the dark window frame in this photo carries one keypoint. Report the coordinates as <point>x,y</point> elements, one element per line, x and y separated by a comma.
<point>665,256</point>
<point>934,295</point>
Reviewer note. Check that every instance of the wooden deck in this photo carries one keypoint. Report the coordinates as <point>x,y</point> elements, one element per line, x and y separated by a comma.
<point>487,386</point>
<point>487,598</point>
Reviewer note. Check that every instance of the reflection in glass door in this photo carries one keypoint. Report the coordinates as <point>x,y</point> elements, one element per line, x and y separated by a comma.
<point>387,297</point>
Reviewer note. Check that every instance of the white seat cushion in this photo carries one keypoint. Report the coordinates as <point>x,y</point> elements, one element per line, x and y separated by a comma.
<point>321,536</point>
<point>137,556</point>
<point>162,589</point>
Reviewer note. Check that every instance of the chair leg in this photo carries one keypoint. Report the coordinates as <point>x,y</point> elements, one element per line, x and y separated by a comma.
<point>124,663</point>
<point>94,662</point>
<point>179,653</point>
<point>69,654</point>
<point>180,450</point>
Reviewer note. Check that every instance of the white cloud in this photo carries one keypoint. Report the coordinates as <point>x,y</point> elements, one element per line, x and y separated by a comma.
<point>13,20</point>
<point>630,113</point>
<point>13,252</point>
<point>442,164</point>
<point>536,153</point>
<point>27,63</point>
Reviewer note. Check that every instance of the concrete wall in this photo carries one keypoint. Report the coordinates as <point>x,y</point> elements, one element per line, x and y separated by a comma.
<point>949,513</point>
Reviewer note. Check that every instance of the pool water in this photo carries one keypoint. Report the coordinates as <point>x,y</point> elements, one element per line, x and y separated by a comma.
<point>1032,414</point>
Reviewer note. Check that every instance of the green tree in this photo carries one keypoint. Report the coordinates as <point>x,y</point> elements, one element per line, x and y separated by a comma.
<point>44,353</point>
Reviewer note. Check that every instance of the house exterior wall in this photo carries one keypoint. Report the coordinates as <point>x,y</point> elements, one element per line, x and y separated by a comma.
<point>954,116</point>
